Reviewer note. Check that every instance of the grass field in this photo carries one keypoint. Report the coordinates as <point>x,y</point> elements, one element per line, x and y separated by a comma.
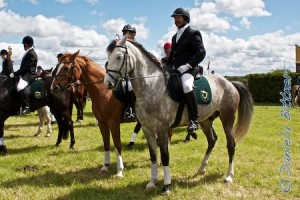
<point>35,169</point>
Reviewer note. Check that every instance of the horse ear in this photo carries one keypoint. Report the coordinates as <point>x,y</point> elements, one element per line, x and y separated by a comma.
<point>123,41</point>
<point>50,70</point>
<point>73,57</point>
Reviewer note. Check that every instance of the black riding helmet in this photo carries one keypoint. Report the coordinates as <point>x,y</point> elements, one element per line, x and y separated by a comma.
<point>182,12</point>
<point>129,27</point>
<point>3,52</point>
<point>27,40</point>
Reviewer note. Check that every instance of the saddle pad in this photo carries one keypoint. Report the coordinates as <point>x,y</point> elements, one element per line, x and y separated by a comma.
<point>202,89</point>
<point>37,90</point>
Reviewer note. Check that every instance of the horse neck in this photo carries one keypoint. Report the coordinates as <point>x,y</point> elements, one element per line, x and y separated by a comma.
<point>90,77</point>
<point>147,76</point>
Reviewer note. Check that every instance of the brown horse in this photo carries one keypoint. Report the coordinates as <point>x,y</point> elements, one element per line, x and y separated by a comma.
<point>295,95</point>
<point>106,108</point>
<point>79,98</point>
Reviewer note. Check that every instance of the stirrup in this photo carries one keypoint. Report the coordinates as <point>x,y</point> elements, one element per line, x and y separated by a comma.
<point>25,111</point>
<point>129,113</point>
<point>193,126</point>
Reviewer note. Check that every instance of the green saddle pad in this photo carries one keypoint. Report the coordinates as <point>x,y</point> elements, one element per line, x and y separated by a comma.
<point>202,90</point>
<point>37,90</point>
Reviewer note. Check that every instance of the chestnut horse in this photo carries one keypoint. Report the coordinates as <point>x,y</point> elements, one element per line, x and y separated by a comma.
<point>106,108</point>
<point>157,111</point>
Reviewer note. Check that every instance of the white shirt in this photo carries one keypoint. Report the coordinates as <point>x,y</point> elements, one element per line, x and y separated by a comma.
<point>180,31</point>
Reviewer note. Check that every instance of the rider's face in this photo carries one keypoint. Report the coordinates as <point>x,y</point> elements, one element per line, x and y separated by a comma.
<point>179,21</point>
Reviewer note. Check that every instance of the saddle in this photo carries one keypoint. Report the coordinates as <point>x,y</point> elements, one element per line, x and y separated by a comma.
<point>202,89</point>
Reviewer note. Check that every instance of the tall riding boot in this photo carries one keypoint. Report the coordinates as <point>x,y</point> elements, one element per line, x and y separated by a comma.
<point>130,111</point>
<point>25,101</point>
<point>191,103</point>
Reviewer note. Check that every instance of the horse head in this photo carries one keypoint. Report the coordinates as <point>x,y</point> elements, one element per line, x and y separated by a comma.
<point>67,74</point>
<point>120,62</point>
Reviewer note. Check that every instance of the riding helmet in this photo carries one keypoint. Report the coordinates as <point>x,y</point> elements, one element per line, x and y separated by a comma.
<point>27,40</point>
<point>3,52</point>
<point>182,12</point>
<point>129,27</point>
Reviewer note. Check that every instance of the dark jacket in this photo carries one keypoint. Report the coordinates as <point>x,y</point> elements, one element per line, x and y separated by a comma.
<point>188,49</point>
<point>28,66</point>
<point>7,67</point>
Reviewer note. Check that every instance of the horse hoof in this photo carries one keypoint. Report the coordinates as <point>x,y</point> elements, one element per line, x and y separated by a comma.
<point>130,145</point>
<point>104,169</point>
<point>150,185</point>
<point>228,179</point>
<point>48,135</point>
<point>201,171</point>
<point>194,135</point>
<point>119,175</point>
<point>71,148</point>
<point>36,135</point>
<point>79,121</point>
<point>186,140</point>
<point>3,150</point>
<point>166,190</point>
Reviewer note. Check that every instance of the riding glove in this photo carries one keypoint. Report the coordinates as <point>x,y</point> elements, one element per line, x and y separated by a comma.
<point>184,68</point>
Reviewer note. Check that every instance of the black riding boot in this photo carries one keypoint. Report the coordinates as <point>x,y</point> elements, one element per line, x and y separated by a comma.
<point>25,101</point>
<point>130,111</point>
<point>191,103</point>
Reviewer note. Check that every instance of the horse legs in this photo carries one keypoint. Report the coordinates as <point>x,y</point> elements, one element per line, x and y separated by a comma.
<point>60,125</point>
<point>71,129</point>
<point>211,137</point>
<point>228,122</point>
<point>3,118</point>
<point>115,131</point>
<point>136,130</point>
<point>49,126</point>
<point>104,129</point>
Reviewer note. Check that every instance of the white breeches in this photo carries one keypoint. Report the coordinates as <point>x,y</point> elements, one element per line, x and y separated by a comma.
<point>21,84</point>
<point>129,85</point>
<point>187,81</point>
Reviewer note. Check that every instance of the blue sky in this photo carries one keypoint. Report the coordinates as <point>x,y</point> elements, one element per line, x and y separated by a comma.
<point>240,36</point>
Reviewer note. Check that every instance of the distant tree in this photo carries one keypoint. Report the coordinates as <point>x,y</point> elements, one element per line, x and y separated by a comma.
<point>279,71</point>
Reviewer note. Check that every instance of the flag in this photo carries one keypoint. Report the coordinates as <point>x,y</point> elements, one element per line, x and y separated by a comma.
<point>208,65</point>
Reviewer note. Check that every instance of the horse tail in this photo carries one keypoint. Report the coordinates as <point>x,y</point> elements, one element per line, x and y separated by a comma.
<point>245,112</point>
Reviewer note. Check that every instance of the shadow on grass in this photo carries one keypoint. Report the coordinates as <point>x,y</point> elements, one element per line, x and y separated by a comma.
<point>11,151</point>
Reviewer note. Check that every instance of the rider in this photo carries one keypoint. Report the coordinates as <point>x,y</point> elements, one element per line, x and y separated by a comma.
<point>56,68</point>
<point>7,65</point>
<point>167,50</point>
<point>27,72</point>
<point>130,31</point>
<point>186,53</point>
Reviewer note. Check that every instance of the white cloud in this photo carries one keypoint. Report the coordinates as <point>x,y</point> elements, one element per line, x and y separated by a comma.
<point>64,1</point>
<point>92,2</point>
<point>245,23</point>
<point>34,2</point>
<point>115,26</point>
<point>242,8</point>
<point>2,4</point>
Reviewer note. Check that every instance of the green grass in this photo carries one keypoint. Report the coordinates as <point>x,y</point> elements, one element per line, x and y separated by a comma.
<point>60,173</point>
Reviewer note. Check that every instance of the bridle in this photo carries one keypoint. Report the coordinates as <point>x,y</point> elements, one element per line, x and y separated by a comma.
<point>125,64</point>
<point>68,75</point>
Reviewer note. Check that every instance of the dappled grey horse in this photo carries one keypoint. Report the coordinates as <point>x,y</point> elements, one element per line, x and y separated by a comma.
<point>156,110</point>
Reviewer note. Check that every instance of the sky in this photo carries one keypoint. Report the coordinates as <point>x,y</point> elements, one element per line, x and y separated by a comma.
<point>240,36</point>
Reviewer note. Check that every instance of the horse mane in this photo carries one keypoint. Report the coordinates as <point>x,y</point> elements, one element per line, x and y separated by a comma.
<point>148,54</point>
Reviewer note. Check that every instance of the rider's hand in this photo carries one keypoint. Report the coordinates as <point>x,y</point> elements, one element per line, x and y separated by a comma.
<point>11,75</point>
<point>184,68</point>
